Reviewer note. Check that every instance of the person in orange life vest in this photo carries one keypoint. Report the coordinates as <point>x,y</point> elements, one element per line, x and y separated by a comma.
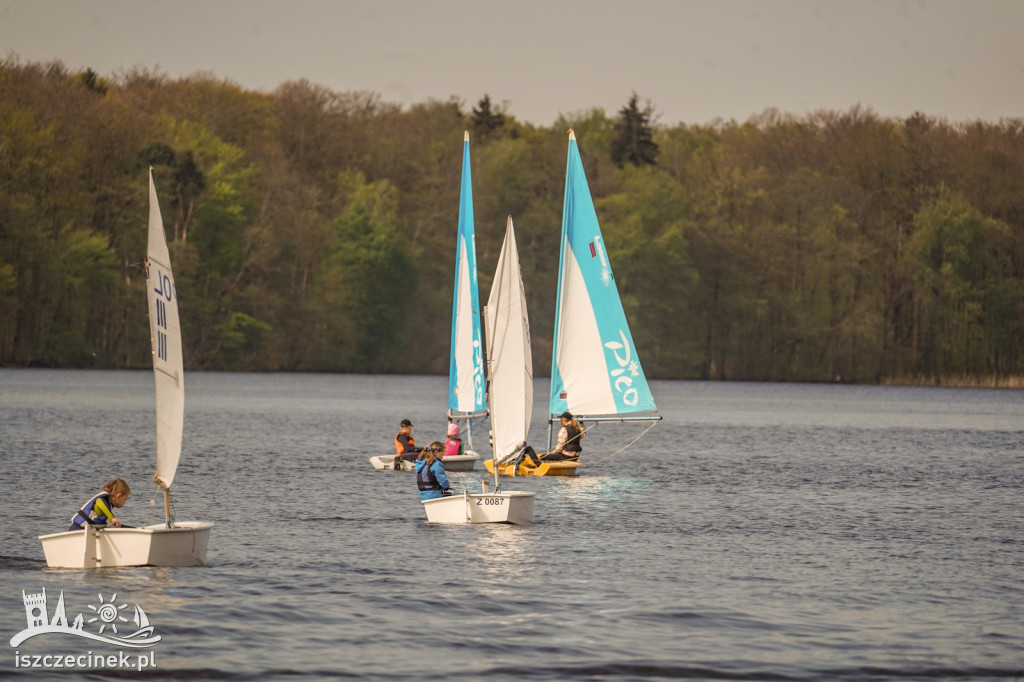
<point>453,444</point>
<point>99,511</point>
<point>405,446</point>
<point>568,444</point>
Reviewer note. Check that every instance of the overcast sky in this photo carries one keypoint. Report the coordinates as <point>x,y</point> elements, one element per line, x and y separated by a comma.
<point>694,60</point>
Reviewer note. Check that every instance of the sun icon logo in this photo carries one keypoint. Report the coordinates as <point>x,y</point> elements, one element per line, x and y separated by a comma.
<point>108,614</point>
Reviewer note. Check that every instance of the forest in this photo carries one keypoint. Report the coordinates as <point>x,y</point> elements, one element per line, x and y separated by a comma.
<point>312,230</point>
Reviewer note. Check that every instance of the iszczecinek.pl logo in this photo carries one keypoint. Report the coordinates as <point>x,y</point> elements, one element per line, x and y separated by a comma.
<point>107,616</point>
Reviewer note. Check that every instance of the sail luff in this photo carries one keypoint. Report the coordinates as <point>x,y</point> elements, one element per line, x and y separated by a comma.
<point>595,369</point>
<point>165,331</point>
<point>466,381</point>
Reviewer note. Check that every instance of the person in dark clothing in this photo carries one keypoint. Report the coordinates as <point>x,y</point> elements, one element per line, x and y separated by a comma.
<point>568,444</point>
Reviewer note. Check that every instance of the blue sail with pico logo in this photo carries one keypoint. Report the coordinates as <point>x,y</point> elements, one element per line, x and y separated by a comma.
<point>595,369</point>
<point>466,380</point>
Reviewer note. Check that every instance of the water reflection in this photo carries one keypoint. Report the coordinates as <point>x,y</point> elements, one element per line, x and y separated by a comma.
<point>500,551</point>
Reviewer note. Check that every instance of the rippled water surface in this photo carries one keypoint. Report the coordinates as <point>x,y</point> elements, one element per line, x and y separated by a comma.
<point>761,532</point>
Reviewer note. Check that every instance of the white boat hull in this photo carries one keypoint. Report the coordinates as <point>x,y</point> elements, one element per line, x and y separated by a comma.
<point>387,463</point>
<point>464,462</point>
<point>154,545</point>
<point>513,506</point>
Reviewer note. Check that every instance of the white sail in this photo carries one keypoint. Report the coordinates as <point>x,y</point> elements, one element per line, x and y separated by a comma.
<point>508,352</point>
<point>166,339</point>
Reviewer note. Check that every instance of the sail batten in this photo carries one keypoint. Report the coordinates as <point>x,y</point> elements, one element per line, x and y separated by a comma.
<point>165,331</point>
<point>466,380</point>
<point>595,369</point>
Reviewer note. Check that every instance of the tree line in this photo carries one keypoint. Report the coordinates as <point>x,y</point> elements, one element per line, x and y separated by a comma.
<point>314,230</point>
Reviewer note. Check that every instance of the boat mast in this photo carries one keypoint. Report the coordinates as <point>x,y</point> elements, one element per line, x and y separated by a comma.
<point>169,519</point>
<point>490,406</point>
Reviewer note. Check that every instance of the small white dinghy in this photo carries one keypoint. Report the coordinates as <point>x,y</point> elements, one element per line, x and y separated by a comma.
<point>171,543</point>
<point>464,462</point>
<point>511,400</point>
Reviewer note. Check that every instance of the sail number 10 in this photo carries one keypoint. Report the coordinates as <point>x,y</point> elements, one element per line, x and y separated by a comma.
<point>164,292</point>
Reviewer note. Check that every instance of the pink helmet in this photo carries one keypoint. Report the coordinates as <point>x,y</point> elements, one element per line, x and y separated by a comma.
<point>453,430</point>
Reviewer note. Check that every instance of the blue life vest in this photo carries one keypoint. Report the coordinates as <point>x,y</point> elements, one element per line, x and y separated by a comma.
<point>88,515</point>
<point>426,480</point>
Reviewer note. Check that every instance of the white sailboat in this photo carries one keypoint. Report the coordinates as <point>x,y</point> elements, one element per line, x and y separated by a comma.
<point>181,543</point>
<point>511,399</point>
<point>595,370</point>
<point>466,382</point>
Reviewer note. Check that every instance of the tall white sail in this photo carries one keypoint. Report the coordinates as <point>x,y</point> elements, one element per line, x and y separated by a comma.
<point>508,352</point>
<point>466,381</point>
<point>595,369</point>
<point>166,339</point>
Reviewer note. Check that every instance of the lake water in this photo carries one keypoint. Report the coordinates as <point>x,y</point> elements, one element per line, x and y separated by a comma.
<point>760,532</point>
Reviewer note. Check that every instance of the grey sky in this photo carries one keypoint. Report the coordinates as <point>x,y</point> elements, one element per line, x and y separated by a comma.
<point>695,60</point>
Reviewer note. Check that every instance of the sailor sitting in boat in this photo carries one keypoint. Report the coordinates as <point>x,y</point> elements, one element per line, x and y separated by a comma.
<point>453,444</point>
<point>568,444</point>
<point>431,478</point>
<point>405,446</point>
<point>99,510</point>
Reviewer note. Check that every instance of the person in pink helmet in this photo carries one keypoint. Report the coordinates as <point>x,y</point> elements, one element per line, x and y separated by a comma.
<point>453,443</point>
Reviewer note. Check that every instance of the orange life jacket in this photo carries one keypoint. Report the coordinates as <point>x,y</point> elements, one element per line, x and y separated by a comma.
<point>401,447</point>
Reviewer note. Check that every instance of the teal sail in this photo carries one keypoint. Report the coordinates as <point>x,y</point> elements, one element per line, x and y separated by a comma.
<point>466,381</point>
<point>595,369</point>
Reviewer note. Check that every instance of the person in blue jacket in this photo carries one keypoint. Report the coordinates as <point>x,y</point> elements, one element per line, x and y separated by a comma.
<point>99,511</point>
<point>431,478</point>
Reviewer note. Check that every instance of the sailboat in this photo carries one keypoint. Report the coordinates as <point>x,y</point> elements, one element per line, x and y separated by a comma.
<point>181,543</point>
<point>511,399</point>
<point>466,381</point>
<point>595,371</point>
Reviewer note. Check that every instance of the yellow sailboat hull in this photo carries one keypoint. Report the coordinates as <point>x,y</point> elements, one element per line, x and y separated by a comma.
<point>566,468</point>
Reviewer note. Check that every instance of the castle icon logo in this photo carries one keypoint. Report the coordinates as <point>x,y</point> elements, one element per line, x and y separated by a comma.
<point>107,616</point>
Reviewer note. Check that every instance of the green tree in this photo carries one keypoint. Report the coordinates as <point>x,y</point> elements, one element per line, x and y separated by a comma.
<point>634,139</point>
<point>487,122</point>
<point>367,283</point>
<point>964,297</point>
<point>643,225</point>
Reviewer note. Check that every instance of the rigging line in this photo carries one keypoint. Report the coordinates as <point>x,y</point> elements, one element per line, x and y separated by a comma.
<point>625,447</point>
